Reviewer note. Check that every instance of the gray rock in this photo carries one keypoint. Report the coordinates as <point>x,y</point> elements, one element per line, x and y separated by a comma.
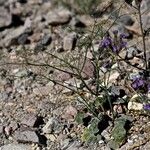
<point>58,17</point>
<point>69,41</point>
<point>52,125</point>
<point>145,5</point>
<point>146,21</point>
<point>126,20</point>
<point>74,145</point>
<point>15,147</point>
<point>145,9</point>
<point>64,144</point>
<point>26,136</point>
<point>5,17</point>
<point>13,125</point>
<point>115,90</point>
<point>43,42</point>
<point>4,96</point>
<point>11,37</point>
<point>30,120</point>
<point>131,52</point>
<point>23,39</point>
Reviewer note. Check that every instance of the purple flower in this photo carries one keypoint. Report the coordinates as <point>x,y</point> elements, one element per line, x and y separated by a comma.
<point>106,42</point>
<point>115,43</point>
<point>146,106</point>
<point>115,32</point>
<point>123,44</point>
<point>115,48</point>
<point>123,36</point>
<point>148,87</point>
<point>138,83</point>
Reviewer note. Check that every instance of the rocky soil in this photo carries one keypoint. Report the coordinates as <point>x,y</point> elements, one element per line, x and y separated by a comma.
<point>35,112</point>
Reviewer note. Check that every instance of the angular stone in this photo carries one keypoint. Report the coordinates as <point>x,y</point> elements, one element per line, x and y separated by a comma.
<point>16,147</point>
<point>126,20</point>
<point>69,42</point>
<point>8,130</point>
<point>26,136</point>
<point>13,125</point>
<point>23,39</point>
<point>5,17</point>
<point>52,126</point>
<point>135,106</point>
<point>146,21</point>
<point>62,76</point>
<point>11,37</point>
<point>145,5</point>
<point>87,20</point>
<point>31,120</point>
<point>114,76</point>
<point>131,52</point>
<point>43,42</point>
<point>64,144</point>
<point>58,16</point>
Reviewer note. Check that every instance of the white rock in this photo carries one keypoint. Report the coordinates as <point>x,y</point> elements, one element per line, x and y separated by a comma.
<point>135,106</point>
<point>101,142</point>
<point>134,97</point>
<point>58,16</point>
<point>113,77</point>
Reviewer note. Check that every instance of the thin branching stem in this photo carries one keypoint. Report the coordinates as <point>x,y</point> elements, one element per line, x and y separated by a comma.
<point>143,36</point>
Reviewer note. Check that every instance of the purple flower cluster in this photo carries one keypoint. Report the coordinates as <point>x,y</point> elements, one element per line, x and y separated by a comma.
<point>146,106</point>
<point>140,83</point>
<point>115,44</point>
<point>137,83</point>
<point>106,42</point>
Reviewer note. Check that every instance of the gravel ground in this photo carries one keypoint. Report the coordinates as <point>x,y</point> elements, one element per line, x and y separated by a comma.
<point>35,112</point>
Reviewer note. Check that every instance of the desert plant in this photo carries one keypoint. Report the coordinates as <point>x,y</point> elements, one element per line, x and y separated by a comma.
<point>105,49</point>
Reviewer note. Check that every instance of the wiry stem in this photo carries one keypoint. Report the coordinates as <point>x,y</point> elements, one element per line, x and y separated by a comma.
<point>143,36</point>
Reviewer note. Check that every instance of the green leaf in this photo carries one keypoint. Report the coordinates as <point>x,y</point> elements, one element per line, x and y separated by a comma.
<point>93,127</point>
<point>89,137</point>
<point>79,117</point>
<point>89,134</point>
